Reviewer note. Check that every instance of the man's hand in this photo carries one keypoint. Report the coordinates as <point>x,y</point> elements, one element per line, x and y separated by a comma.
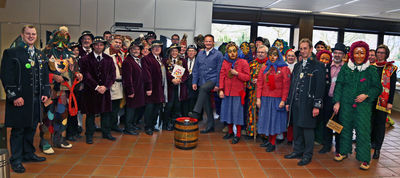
<point>176,81</point>
<point>19,102</point>
<point>287,107</point>
<point>131,96</point>
<point>58,78</point>
<point>315,112</point>
<point>281,104</point>
<point>336,108</point>
<point>101,89</point>
<point>258,103</point>
<point>194,86</point>
<point>389,106</point>
<point>360,98</point>
<point>44,99</point>
<point>221,94</point>
<point>79,76</point>
<point>216,89</point>
<point>148,93</point>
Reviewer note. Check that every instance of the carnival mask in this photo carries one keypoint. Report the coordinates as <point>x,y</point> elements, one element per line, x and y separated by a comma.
<point>232,52</point>
<point>252,47</point>
<point>279,45</point>
<point>359,55</point>
<point>325,58</point>
<point>61,39</point>
<point>245,48</point>
<point>274,56</point>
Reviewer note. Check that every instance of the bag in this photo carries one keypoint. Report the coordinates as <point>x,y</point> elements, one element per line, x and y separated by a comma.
<point>334,125</point>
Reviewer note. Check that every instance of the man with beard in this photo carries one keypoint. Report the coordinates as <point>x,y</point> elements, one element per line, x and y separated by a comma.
<point>85,42</point>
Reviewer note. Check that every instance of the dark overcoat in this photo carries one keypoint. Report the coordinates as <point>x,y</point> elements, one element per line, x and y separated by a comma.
<point>153,79</point>
<point>132,80</point>
<point>183,88</point>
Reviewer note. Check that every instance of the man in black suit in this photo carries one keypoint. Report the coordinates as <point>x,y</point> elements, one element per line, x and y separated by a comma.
<point>188,104</point>
<point>25,77</point>
<point>305,101</point>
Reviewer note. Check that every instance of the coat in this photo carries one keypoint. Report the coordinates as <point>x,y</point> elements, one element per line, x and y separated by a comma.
<point>97,74</point>
<point>282,83</point>
<point>18,79</point>
<point>306,92</point>
<point>153,79</point>
<point>237,84</point>
<point>132,80</point>
<point>183,88</point>
<point>117,88</point>
<point>188,83</point>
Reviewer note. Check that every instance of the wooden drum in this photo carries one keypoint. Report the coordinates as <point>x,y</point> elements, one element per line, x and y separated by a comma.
<point>186,133</point>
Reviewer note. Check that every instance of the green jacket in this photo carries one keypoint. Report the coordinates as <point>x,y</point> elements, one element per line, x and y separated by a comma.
<point>351,82</point>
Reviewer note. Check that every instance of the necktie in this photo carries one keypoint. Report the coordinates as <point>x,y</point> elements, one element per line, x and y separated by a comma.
<point>98,58</point>
<point>30,52</point>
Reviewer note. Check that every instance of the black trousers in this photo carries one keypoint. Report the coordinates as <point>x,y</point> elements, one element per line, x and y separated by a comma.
<point>327,133</point>
<point>303,141</point>
<point>114,113</point>
<point>132,117</point>
<point>72,126</point>
<point>173,107</point>
<point>151,112</point>
<point>105,123</point>
<point>203,101</point>
<point>21,139</point>
<point>378,127</point>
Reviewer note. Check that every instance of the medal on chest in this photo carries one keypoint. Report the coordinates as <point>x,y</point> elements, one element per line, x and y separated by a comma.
<point>301,75</point>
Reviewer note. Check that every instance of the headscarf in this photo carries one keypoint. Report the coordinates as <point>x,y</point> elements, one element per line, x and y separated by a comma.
<point>278,63</point>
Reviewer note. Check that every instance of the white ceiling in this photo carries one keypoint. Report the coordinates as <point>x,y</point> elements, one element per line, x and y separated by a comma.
<point>378,9</point>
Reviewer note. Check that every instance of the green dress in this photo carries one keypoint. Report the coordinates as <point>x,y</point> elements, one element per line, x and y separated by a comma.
<point>351,82</point>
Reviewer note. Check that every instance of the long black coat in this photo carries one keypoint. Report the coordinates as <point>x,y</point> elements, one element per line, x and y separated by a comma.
<point>18,79</point>
<point>97,74</point>
<point>306,92</point>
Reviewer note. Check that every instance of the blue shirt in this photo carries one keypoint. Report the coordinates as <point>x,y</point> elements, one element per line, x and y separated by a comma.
<point>207,68</point>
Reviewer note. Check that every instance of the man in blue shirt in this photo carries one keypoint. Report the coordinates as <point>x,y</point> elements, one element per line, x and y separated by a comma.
<point>206,75</point>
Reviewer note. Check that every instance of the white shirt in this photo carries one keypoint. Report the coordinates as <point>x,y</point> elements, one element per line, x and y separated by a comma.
<point>96,55</point>
<point>158,59</point>
<point>190,64</point>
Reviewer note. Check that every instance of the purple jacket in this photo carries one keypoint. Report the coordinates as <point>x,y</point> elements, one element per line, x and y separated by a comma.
<point>152,79</point>
<point>183,88</point>
<point>97,74</point>
<point>132,80</point>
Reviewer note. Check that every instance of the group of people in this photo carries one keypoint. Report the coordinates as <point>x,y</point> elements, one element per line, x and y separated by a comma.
<point>257,89</point>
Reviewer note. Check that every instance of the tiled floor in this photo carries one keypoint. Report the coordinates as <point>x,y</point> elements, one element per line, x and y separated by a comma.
<point>156,156</point>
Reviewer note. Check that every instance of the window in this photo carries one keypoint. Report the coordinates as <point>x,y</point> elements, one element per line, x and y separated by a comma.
<point>327,36</point>
<point>393,42</point>
<point>273,33</point>
<point>370,39</point>
<point>228,32</point>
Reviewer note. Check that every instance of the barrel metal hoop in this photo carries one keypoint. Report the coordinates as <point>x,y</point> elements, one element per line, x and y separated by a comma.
<point>191,141</point>
<point>181,130</point>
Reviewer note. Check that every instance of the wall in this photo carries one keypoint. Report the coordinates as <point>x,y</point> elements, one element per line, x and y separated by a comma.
<point>165,17</point>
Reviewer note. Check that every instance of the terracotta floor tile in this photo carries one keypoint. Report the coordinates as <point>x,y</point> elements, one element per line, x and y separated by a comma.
<point>226,164</point>
<point>244,155</point>
<point>203,155</point>
<point>249,163</point>
<point>24,175</point>
<point>290,163</point>
<point>181,172</point>
<point>264,155</point>
<point>315,164</point>
<point>113,160</point>
<point>82,169</point>
<point>159,163</point>
<point>237,148</point>
<point>34,167</point>
<point>118,152</point>
<point>181,154</point>
<point>205,172</point>
<point>156,172</point>
<point>321,173</point>
<point>224,155</point>
<point>182,163</point>
<point>45,175</point>
<point>299,172</point>
<point>279,173</point>
<point>91,160</point>
<point>132,171</point>
<point>97,151</point>
<point>229,173</point>
<point>204,163</point>
<point>75,176</point>
<point>270,164</point>
<point>161,154</point>
<point>107,171</point>
<point>136,162</point>
<point>252,172</point>
<point>57,169</point>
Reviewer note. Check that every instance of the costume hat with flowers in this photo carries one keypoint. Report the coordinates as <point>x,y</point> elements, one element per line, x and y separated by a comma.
<point>359,44</point>
<point>174,46</point>
<point>183,41</point>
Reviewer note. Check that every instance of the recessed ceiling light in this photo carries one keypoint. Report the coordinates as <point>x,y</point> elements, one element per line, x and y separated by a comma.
<point>394,10</point>
<point>339,14</point>
<point>353,1</point>
<point>335,6</point>
<point>290,10</point>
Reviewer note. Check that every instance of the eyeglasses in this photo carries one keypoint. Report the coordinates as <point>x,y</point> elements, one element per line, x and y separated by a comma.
<point>261,52</point>
<point>380,52</point>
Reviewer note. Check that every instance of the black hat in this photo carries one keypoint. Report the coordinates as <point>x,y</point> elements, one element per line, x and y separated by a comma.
<point>73,45</point>
<point>192,47</point>
<point>150,35</point>
<point>320,43</point>
<point>99,39</point>
<point>174,46</point>
<point>156,43</point>
<point>86,33</point>
<point>265,41</point>
<point>260,39</point>
<point>136,43</point>
<point>340,47</point>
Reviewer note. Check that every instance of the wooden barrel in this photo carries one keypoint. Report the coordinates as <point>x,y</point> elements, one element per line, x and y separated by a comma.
<point>186,133</point>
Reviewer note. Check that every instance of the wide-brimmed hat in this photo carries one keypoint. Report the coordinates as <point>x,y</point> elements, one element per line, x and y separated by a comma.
<point>84,33</point>
<point>320,43</point>
<point>73,45</point>
<point>99,39</point>
<point>150,35</point>
<point>340,47</point>
<point>137,43</point>
<point>156,43</point>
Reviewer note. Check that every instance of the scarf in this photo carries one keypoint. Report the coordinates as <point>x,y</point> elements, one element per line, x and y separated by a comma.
<point>261,61</point>
<point>278,63</point>
<point>387,72</point>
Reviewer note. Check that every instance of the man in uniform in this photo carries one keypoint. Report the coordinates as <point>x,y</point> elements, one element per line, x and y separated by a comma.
<point>25,78</point>
<point>305,101</point>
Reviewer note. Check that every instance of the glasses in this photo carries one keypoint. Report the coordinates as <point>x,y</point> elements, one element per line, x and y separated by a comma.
<point>261,52</point>
<point>381,53</point>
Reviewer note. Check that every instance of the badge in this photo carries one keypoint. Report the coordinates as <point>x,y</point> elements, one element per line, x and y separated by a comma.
<point>28,66</point>
<point>301,75</point>
<point>32,63</point>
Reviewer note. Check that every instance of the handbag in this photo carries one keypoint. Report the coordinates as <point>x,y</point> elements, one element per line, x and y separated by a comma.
<point>334,125</point>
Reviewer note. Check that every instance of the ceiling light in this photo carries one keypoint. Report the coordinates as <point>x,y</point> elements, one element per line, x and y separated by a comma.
<point>394,10</point>
<point>335,6</point>
<point>353,1</point>
<point>276,2</point>
<point>339,14</point>
<point>290,10</point>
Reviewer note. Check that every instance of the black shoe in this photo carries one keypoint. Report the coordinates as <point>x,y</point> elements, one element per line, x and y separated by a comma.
<point>227,136</point>
<point>207,130</point>
<point>109,137</point>
<point>34,158</point>
<point>89,139</point>
<point>324,150</point>
<point>117,129</point>
<point>71,138</point>
<point>304,161</point>
<point>77,136</point>
<point>279,141</point>
<point>265,144</point>
<point>170,127</point>
<point>194,115</point>
<point>293,155</point>
<point>270,148</point>
<point>136,128</point>
<point>235,140</point>
<point>80,130</point>
<point>155,130</point>
<point>130,132</point>
<point>376,154</point>
<point>149,132</point>
<point>18,168</point>
<point>289,142</point>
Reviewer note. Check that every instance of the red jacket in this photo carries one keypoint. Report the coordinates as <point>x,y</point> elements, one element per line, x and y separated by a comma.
<point>233,86</point>
<point>282,83</point>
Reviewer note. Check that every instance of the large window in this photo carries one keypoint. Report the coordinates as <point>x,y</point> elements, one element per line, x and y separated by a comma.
<point>370,39</point>
<point>327,36</point>
<point>393,42</point>
<point>273,33</point>
<point>228,32</point>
